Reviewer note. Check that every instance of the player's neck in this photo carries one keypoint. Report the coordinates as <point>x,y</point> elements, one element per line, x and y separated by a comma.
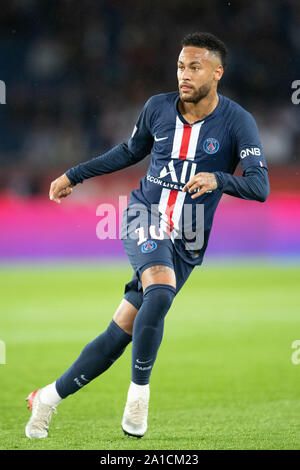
<point>193,112</point>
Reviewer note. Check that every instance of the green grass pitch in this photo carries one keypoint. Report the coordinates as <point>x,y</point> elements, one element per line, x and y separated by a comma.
<point>224,378</point>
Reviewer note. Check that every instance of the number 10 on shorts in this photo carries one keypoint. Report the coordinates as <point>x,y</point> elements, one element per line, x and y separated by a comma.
<point>156,233</point>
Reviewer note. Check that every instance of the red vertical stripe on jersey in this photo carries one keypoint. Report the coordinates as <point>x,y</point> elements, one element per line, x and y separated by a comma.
<point>185,141</point>
<point>170,208</point>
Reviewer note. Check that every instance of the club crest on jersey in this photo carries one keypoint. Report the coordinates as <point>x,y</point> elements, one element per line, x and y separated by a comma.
<point>149,246</point>
<point>211,145</point>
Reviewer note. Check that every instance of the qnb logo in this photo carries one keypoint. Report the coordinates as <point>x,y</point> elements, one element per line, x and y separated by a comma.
<point>2,353</point>
<point>2,92</point>
<point>252,151</point>
<point>296,93</point>
<point>296,353</point>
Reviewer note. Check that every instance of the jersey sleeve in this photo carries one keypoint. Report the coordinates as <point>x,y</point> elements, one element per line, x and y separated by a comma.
<point>122,156</point>
<point>254,184</point>
<point>141,140</point>
<point>248,146</point>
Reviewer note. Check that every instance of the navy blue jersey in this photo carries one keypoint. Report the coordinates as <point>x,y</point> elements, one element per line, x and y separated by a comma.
<point>179,150</point>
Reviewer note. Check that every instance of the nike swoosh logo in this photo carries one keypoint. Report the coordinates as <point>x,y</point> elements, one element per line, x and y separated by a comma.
<point>159,139</point>
<point>143,362</point>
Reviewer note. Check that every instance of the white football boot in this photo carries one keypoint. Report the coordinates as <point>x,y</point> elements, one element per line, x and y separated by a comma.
<point>134,422</point>
<point>38,425</point>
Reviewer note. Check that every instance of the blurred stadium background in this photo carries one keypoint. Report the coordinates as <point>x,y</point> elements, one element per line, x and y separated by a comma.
<point>77,75</point>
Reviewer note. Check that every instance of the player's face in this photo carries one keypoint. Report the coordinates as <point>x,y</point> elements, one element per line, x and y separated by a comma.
<point>198,71</point>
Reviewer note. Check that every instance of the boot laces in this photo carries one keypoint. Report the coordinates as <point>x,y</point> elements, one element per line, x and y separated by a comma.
<point>42,414</point>
<point>138,410</point>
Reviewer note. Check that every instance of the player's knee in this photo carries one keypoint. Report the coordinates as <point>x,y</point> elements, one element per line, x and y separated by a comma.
<point>160,297</point>
<point>125,314</point>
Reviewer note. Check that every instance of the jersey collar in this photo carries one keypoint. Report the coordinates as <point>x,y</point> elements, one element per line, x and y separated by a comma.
<point>209,116</point>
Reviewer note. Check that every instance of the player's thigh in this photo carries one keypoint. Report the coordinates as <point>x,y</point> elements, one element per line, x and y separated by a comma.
<point>151,258</point>
<point>125,315</point>
<point>175,276</point>
<point>182,270</point>
<point>158,274</point>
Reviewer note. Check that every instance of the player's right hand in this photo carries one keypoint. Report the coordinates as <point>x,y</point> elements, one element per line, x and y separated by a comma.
<point>61,187</point>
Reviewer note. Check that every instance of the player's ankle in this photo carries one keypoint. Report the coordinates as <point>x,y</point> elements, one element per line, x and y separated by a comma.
<point>137,391</point>
<point>49,395</point>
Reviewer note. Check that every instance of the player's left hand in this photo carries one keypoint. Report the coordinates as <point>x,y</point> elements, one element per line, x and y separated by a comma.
<point>61,187</point>
<point>201,182</point>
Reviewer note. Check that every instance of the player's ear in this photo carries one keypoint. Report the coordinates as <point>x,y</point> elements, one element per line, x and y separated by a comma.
<point>218,72</point>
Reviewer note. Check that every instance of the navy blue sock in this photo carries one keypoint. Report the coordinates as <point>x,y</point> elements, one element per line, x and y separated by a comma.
<point>148,330</point>
<point>96,357</point>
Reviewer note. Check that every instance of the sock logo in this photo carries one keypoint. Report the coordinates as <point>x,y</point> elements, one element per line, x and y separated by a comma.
<point>142,368</point>
<point>143,362</point>
<point>77,381</point>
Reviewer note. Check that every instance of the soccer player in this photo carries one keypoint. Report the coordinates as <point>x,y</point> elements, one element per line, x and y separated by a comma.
<point>196,138</point>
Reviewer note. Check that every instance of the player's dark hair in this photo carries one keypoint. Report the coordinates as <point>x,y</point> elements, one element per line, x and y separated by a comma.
<point>206,41</point>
